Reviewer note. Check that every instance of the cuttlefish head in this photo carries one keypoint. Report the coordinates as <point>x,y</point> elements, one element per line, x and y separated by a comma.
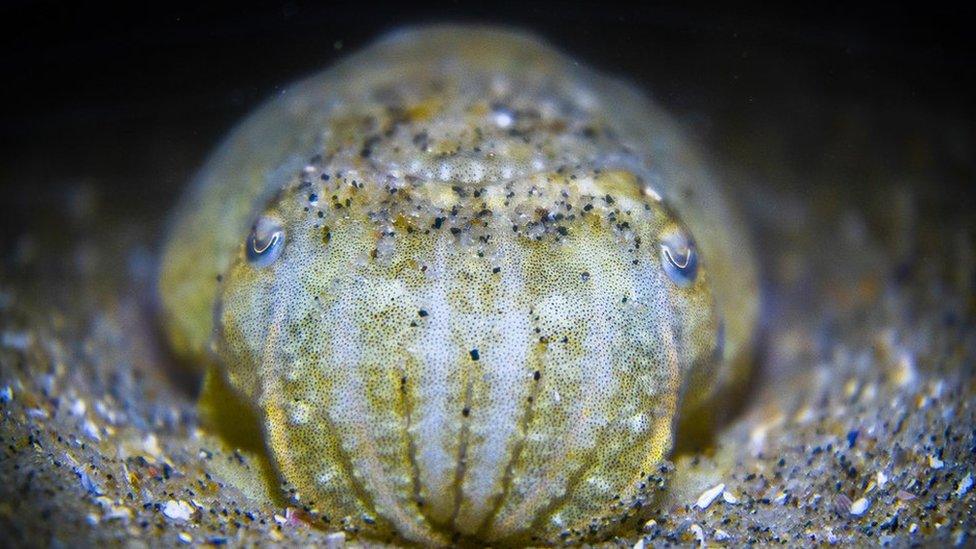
<point>498,360</point>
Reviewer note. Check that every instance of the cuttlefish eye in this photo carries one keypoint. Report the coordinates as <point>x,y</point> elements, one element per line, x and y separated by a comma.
<point>679,257</point>
<point>266,241</point>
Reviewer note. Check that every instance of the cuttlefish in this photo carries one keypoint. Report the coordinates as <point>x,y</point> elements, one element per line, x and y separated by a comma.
<point>468,289</point>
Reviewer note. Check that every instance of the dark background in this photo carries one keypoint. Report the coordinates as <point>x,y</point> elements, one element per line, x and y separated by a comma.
<point>126,101</point>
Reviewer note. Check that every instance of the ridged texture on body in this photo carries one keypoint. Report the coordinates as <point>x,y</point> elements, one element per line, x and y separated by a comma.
<point>517,393</point>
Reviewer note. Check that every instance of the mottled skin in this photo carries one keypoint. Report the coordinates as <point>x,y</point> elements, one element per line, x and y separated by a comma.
<point>470,332</point>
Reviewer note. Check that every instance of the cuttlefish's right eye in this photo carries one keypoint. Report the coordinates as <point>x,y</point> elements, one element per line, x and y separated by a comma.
<point>266,241</point>
<point>679,257</point>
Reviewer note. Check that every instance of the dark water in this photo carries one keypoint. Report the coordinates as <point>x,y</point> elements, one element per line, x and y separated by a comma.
<point>125,102</point>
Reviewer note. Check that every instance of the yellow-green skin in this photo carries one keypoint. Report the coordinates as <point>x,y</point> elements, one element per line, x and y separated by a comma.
<point>469,333</point>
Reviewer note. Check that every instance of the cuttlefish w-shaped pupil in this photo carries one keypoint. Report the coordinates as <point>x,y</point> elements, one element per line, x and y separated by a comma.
<point>679,259</point>
<point>265,243</point>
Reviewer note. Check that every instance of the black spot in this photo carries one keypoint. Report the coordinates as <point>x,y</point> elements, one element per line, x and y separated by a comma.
<point>423,312</point>
<point>475,355</point>
<point>466,412</point>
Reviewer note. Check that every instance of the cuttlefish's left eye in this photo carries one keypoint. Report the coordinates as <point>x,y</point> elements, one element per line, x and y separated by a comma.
<point>679,257</point>
<point>266,242</point>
